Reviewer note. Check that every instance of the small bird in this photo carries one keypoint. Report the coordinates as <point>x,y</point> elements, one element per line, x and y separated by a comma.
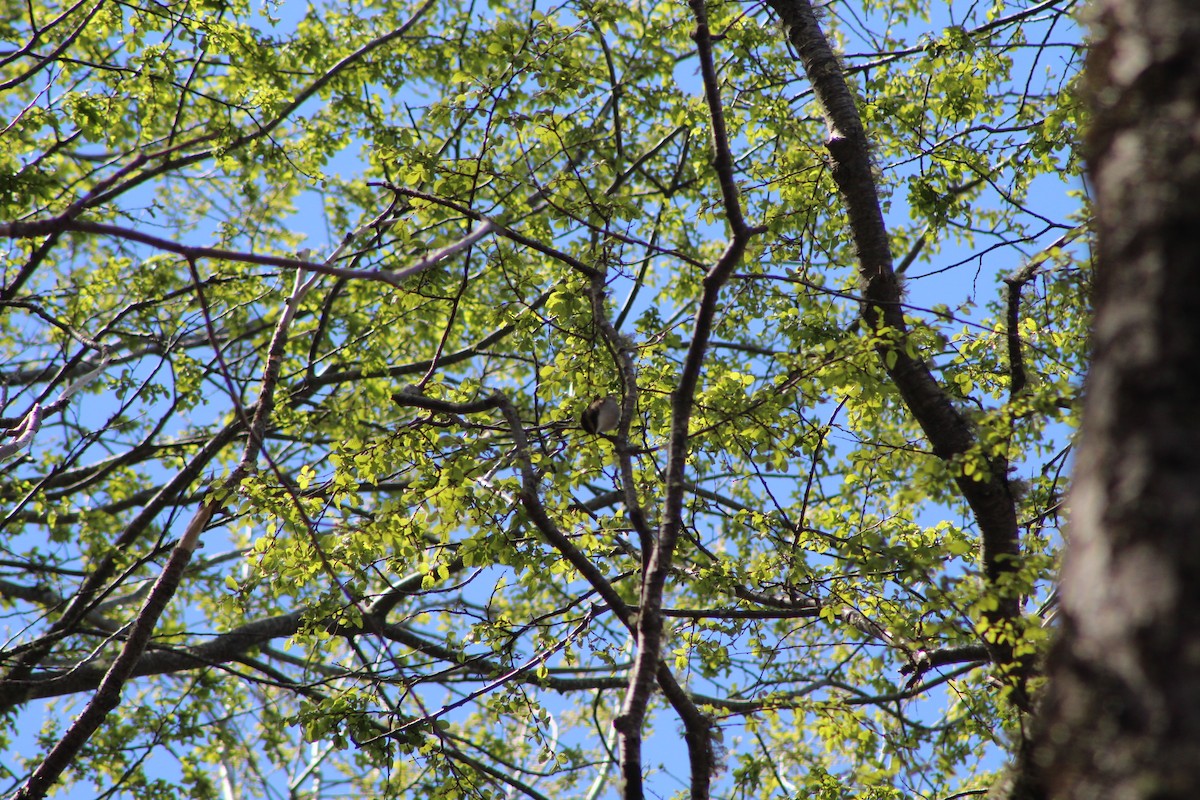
<point>602,415</point>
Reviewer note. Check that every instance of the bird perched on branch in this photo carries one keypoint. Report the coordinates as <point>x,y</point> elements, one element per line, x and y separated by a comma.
<point>602,415</point>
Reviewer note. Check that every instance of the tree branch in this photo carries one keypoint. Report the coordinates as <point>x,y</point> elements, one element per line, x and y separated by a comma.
<point>658,564</point>
<point>948,431</point>
<point>108,695</point>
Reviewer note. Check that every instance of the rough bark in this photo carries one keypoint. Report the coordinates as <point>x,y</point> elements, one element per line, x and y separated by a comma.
<point>1121,717</point>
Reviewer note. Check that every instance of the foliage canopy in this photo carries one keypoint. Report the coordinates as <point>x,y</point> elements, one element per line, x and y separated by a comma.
<point>326,290</point>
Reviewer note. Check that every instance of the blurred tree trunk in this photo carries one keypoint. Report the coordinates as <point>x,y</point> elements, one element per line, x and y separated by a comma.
<point>1121,717</point>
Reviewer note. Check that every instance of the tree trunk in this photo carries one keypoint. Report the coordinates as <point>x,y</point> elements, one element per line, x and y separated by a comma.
<point>1121,717</point>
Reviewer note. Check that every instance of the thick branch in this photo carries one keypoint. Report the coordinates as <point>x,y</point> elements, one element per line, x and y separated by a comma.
<point>59,225</point>
<point>108,695</point>
<point>647,667</point>
<point>949,432</point>
<point>11,692</point>
<point>530,496</point>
